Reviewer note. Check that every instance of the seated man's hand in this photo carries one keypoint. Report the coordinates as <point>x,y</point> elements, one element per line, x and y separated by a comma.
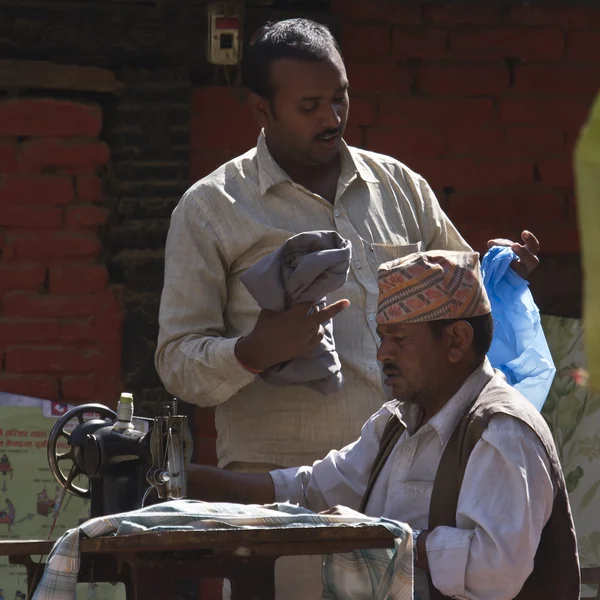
<point>343,511</point>
<point>279,337</point>
<point>527,253</point>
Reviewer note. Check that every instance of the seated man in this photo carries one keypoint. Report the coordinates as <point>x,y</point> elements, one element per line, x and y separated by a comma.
<point>460,456</point>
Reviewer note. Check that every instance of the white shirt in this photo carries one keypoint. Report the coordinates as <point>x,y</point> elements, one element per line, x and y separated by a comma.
<point>505,500</point>
<point>231,219</point>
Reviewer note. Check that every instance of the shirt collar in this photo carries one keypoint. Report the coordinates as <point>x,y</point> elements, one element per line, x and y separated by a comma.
<point>271,174</point>
<point>445,421</point>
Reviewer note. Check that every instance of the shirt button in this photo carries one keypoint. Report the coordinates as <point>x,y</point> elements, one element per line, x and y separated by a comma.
<point>358,265</point>
<point>336,213</point>
<point>371,316</point>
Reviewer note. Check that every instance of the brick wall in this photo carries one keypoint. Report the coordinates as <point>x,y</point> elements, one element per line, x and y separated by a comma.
<point>60,321</point>
<point>147,126</point>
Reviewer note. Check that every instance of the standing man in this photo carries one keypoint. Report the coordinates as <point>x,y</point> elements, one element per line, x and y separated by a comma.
<point>213,339</point>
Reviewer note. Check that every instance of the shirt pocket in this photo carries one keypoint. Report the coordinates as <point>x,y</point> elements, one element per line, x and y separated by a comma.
<point>382,253</point>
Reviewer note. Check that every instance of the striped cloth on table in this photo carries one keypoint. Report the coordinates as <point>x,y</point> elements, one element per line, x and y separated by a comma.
<point>361,574</point>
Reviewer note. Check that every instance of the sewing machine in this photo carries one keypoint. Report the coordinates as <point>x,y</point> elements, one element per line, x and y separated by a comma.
<point>130,462</point>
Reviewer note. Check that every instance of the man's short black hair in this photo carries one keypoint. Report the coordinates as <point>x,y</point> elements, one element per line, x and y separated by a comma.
<point>293,38</point>
<point>483,331</point>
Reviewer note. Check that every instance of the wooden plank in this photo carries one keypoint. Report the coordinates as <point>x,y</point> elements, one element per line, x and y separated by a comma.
<point>35,74</point>
<point>270,541</point>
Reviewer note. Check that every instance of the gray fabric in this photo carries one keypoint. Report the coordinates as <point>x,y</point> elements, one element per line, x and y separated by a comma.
<point>306,268</point>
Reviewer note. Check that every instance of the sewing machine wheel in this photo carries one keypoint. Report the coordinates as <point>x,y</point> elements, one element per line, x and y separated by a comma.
<point>65,476</point>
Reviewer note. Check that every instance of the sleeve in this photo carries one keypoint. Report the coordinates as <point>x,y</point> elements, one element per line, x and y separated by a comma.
<point>505,501</point>
<point>195,362</point>
<point>340,478</point>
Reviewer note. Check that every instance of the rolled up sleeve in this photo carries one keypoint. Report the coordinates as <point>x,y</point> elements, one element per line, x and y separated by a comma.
<point>505,501</point>
<point>340,478</point>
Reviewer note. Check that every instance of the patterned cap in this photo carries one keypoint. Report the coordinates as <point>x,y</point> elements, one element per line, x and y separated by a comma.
<point>431,286</point>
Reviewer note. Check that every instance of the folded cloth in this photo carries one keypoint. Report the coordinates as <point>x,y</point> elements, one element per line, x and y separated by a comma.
<point>519,348</point>
<point>359,575</point>
<point>306,268</point>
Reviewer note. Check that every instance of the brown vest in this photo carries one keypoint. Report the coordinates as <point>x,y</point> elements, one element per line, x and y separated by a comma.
<point>555,574</point>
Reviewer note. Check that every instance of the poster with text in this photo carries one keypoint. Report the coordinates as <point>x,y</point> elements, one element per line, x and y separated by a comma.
<point>29,494</point>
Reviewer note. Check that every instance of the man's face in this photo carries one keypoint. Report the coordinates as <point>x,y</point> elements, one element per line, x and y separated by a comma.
<point>414,362</point>
<point>307,115</point>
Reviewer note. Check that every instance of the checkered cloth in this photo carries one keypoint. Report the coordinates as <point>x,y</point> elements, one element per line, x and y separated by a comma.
<point>361,574</point>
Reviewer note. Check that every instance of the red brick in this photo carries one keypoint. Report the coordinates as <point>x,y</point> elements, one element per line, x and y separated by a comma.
<point>220,120</point>
<point>558,239</point>
<point>551,112</point>
<point>583,46</point>
<point>524,207</point>
<point>526,43</point>
<point>365,41</point>
<point>8,159</point>
<point>85,215</point>
<point>556,172</point>
<point>56,153</point>
<point>50,360</point>
<point>219,132</point>
<point>89,189</point>
<point>463,80</point>
<point>362,111</point>
<point>419,43</point>
<point>24,245</point>
<point>204,162</point>
<point>29,330</point>
<point>415,111</point>
<point>568,79</point>
<point>37,189</point>
<point>406,142</point>
<point>48,117</point>
<point>205,452</point>
<point>470,174</point>
<point>461,13</point>
<point>27,305</point>
<point>534,141</point>
<point>354,136</point>
<point>77,279</point>
<point>389,11</point>
<point>32,217</point>
<point>482,141</point>
<point>21,276</point>
<point>210,589</point>
<point>33,386</point>
<point>104,328</point>
<point>204,423</point>
<point>92,387</point>
<point>378,76</point>
<point>562,16</point>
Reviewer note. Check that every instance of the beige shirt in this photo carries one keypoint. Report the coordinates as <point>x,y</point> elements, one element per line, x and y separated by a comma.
<point>224,224</point>
<point>505,501</point>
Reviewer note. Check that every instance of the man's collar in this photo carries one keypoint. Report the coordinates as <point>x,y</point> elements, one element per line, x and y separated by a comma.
<point>271,174</point>
<point>445,421</point>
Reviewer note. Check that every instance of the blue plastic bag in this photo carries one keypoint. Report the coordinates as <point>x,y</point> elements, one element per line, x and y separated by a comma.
<point>519,348</point>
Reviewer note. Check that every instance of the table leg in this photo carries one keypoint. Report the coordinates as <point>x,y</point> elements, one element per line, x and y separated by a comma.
<point>254,580</point>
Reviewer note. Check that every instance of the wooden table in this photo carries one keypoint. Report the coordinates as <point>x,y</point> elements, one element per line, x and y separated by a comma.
<point>151,565</point>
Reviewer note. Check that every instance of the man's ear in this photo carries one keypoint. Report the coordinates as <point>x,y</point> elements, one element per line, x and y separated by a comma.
<point>460,338</point>
<point>260,108</point>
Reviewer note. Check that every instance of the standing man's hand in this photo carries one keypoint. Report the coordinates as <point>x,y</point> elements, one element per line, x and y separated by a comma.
<point>279,337</point>
<point>527,253</point>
